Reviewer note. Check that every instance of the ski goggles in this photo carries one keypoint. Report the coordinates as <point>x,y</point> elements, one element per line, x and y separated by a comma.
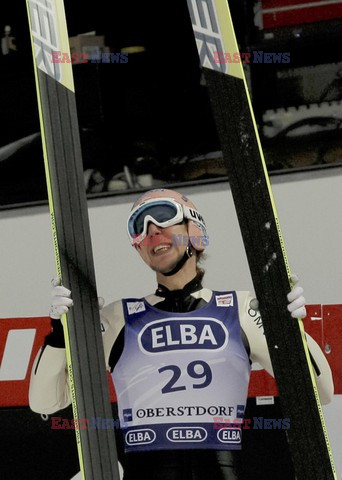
<point>163,213</point>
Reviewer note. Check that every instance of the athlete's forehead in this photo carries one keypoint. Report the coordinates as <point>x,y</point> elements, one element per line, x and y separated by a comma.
<point>163,193</point>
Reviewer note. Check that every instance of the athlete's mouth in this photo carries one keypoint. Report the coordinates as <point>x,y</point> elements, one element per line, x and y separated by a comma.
<point>161,249</point>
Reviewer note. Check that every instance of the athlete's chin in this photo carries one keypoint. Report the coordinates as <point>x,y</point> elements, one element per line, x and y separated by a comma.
<point>163,270</point>
<point>164,267</point>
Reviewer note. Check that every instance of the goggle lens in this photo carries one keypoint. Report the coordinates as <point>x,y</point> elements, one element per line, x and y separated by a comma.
<point>162,212</point>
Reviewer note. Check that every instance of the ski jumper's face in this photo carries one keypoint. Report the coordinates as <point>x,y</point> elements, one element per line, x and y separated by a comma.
<point>163,248</point>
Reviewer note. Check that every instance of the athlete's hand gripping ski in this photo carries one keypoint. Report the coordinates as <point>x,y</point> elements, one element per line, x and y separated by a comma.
<point>62,301</point>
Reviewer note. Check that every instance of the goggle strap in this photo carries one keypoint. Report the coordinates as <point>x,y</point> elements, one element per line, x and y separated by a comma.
<point>192,214</point>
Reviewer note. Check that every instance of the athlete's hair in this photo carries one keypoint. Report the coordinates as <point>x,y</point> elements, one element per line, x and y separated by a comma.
<point>200,257</point>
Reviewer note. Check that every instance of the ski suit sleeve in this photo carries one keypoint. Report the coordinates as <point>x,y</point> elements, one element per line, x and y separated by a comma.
<point>251,324</point>
<point>49,389</point>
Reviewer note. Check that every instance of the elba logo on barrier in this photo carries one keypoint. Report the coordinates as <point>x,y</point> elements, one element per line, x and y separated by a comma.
<point>20,340</point>
<point>14,366</point>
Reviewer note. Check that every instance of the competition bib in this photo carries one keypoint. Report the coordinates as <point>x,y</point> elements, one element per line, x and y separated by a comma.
<point>180,374</point>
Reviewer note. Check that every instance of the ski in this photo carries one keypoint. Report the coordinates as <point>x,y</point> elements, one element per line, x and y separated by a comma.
<point>71,237</point>
<point>256,211</point>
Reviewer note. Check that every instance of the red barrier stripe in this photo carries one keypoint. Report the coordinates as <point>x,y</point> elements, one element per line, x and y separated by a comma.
<point>266,4</point>
<point>14,393</point>
<point>332,318</point>
<point>301,16</point>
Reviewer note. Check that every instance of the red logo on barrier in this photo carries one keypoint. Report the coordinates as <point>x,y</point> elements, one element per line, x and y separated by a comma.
<point>20,340</point>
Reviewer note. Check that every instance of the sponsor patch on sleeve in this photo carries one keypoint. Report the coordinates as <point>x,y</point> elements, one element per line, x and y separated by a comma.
<point>135,307</point>
<point>226,300</point>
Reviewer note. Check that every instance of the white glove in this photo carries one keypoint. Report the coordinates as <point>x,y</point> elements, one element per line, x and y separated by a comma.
<point>296,300</point>
<point>61,301</point>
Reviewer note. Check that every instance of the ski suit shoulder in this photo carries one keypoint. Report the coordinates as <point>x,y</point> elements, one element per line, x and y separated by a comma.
<point>49,389</point>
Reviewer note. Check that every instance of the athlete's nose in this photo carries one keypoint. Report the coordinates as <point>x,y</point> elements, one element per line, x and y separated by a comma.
<point>153,229</point>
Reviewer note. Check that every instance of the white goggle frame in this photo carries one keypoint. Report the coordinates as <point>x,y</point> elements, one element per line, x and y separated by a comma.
<point>182,211</point>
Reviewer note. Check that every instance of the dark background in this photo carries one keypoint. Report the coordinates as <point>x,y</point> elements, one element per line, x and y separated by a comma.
<point>152,113</point>
<point>32,450</point>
